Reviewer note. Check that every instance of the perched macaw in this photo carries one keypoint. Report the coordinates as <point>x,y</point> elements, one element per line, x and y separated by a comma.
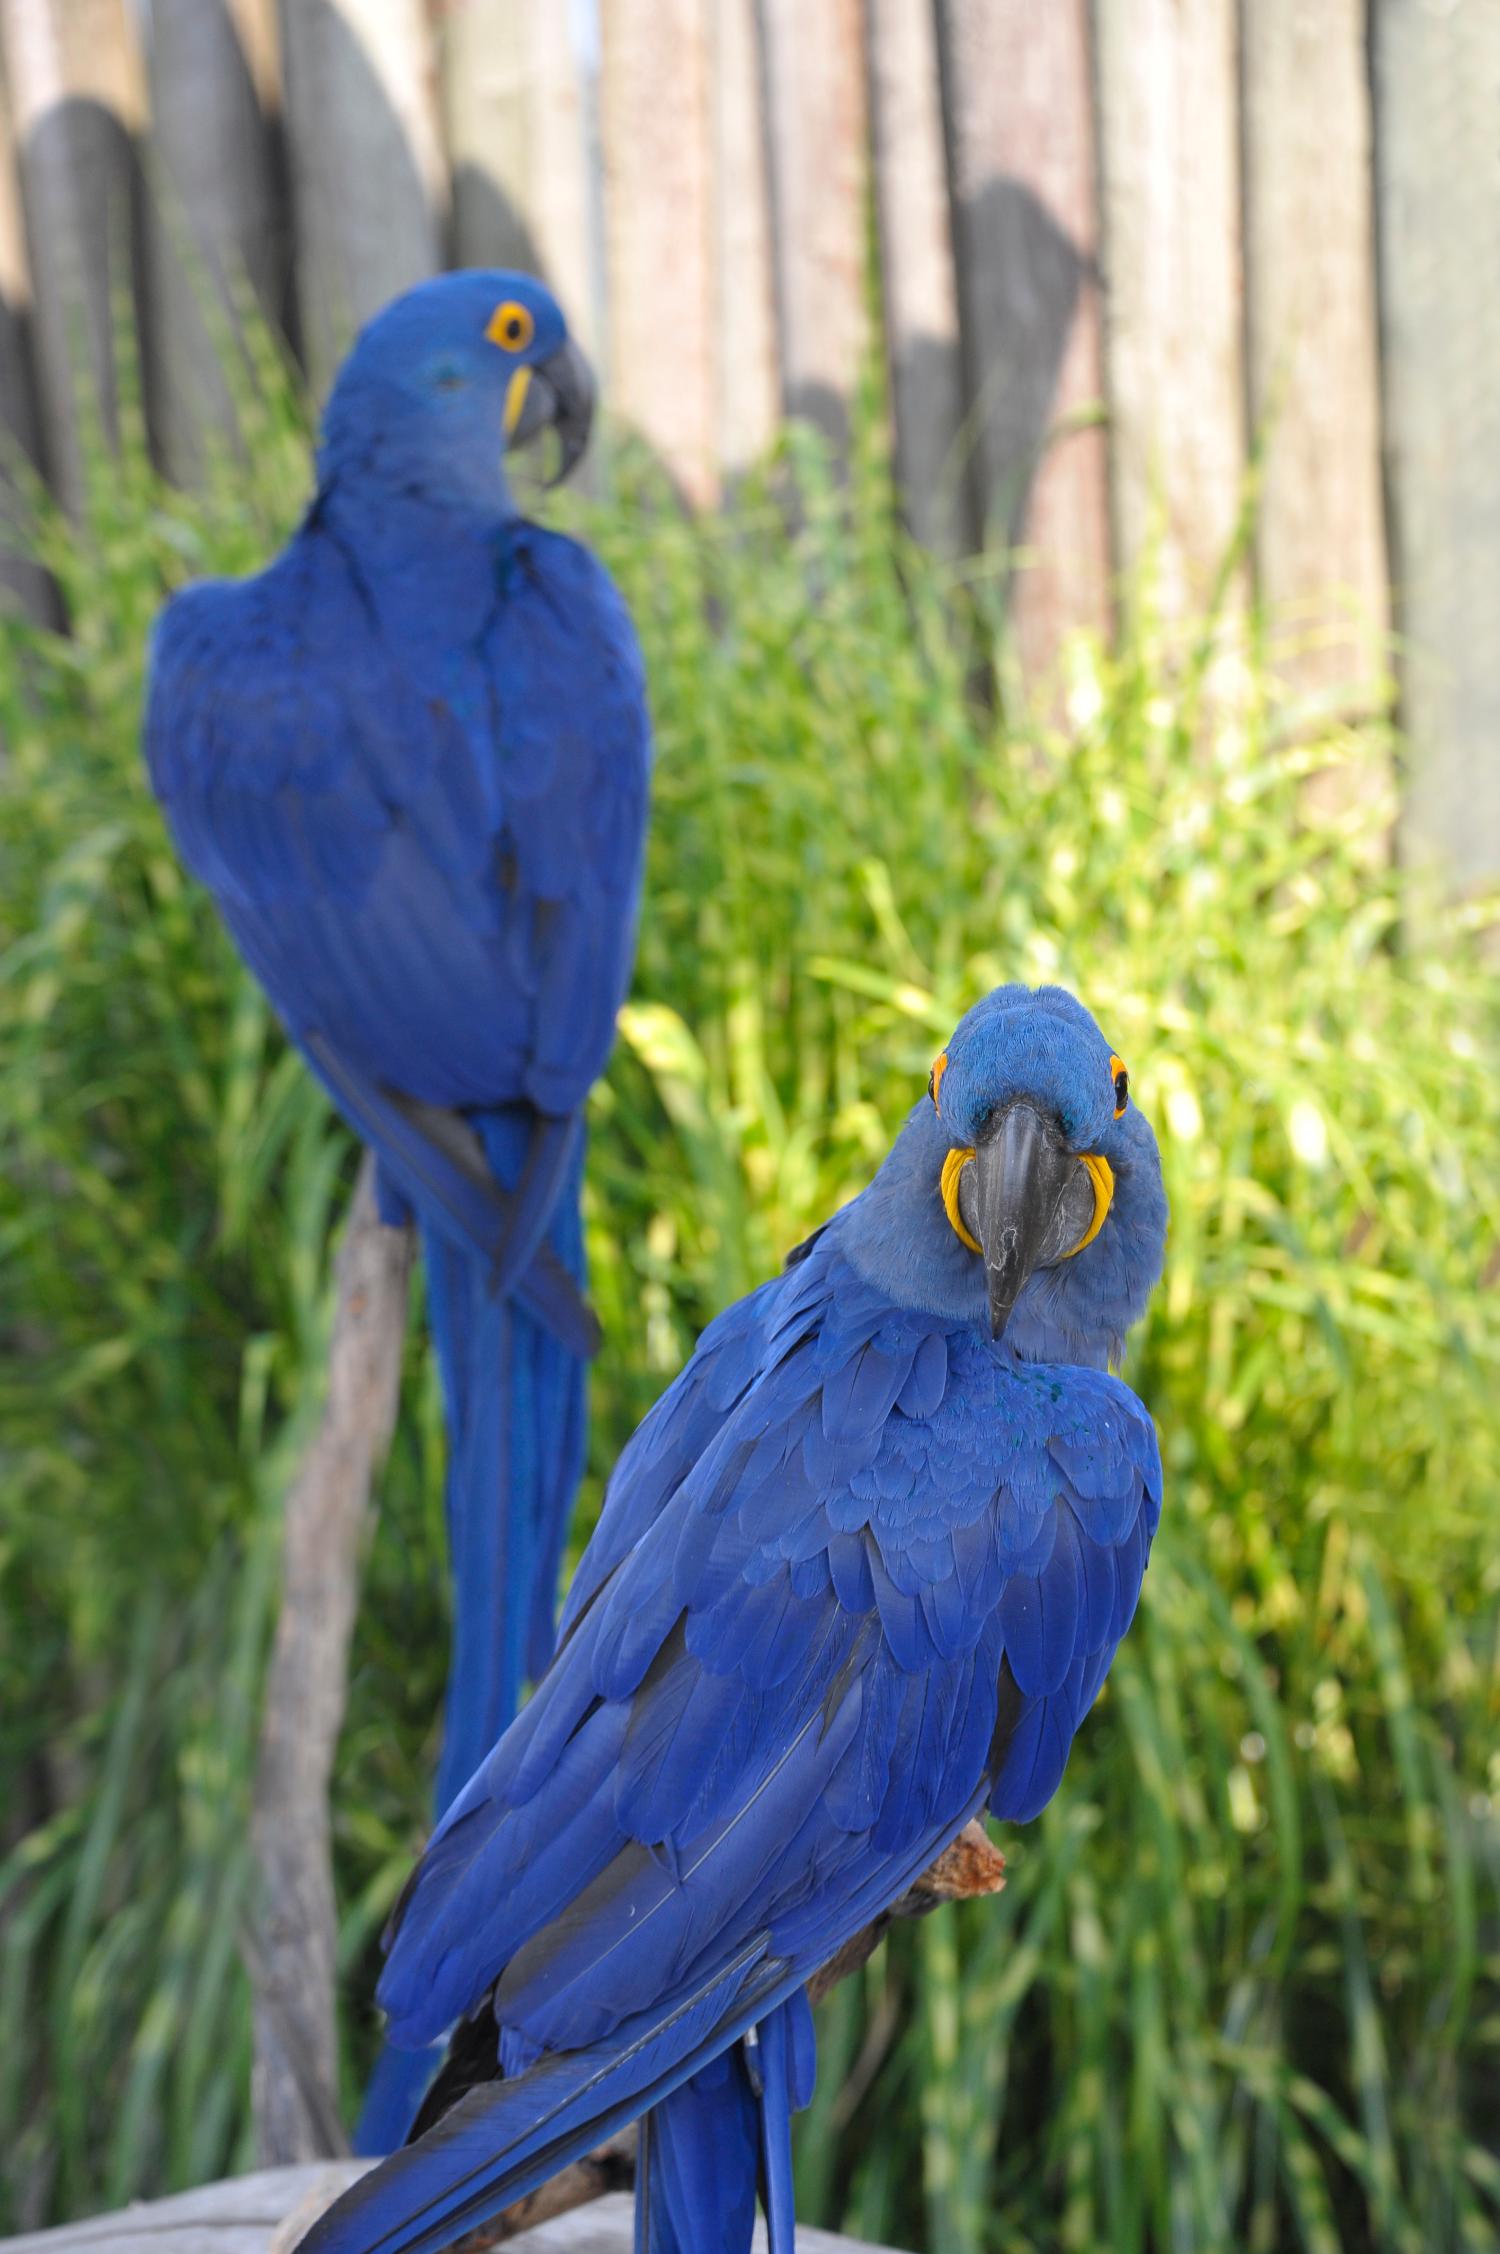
<point>410,761</point>
<point>859,1575</point>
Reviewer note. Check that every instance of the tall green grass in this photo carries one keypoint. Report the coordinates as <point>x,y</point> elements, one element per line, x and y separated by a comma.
<point>1240,1992</point>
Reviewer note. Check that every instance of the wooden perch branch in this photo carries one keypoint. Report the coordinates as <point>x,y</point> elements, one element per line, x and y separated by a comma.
<point>970,1865</point>
<point>291,1958</point>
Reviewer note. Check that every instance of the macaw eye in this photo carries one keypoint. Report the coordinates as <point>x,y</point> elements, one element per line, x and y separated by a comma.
<point>1122,1086</point>
<point>935,1081</point>
<point>510,326</point>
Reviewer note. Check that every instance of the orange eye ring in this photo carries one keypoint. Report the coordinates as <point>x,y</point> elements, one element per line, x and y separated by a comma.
<point>935,1081</point>
<point>1121,1079</point>
<point>511,326</point>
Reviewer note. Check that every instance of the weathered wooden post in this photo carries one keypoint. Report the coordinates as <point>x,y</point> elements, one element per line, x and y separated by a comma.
<point>1021,127</point>
<point>747,404</point>
<point>1174,334</point>
<point>918,275</point>
<point>1437,101</point>
<point>654,110</point>
<point>216,221</point>
<point>815,83</point>
<point>1310,337</point>
<point>77,96</point>
<point>20,417</point>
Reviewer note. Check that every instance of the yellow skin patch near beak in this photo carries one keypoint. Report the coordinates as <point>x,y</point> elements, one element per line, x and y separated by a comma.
<point>1102,1175</point>
<point>953,1166</point>
<point>515,398</point>
<point>1100,1172</point>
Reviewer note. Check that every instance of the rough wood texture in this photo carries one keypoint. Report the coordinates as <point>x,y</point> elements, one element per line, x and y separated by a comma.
<point>654,108</point>
<point>368,174</point>
<point>744,306</point>
<point>515,106</point>
<point>1170,200</point>
<point>1310,320</point>
<point>20,418</point>
<point>295,2075</point>
<point>215,222</point>
<point>815,81</point>
<point>919,282</point>
<point>73,70</point>
<point>1437,102</point>
<point>258,2215</point>
<point>1021,125</point>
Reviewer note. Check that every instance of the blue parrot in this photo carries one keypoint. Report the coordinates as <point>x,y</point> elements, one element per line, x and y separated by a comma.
<point>859,1575</point>
<point>410,761</point>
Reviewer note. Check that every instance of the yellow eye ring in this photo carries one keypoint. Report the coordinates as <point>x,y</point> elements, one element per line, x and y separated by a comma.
<point>510,326</point>
<point>1121,1079</point>
<point>935,1081</point>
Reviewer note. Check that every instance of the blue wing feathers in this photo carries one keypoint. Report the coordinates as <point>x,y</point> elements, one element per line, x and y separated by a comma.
<point>378,852</point>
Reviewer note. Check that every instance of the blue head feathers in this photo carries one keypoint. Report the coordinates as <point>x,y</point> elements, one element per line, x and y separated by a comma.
<point>449,376</point>
<point>1025,1190</point>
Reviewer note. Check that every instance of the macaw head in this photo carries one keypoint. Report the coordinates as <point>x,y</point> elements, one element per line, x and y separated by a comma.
<point>1024,1192</point>
<point>1048,1174</point>
<point>451,376</point>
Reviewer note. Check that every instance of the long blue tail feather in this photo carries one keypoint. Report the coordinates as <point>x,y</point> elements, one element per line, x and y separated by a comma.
<point>697,2164</point>
<point>514,1399</point>
<point>785,2059</point>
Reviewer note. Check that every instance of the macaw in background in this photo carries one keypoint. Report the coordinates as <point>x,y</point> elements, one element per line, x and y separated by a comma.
<point>859,1575</point>
<point>410,761</point>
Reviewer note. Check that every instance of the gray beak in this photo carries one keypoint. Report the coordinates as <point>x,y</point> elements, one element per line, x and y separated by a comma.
<point>560,397</point>
<point>1021,1199</point>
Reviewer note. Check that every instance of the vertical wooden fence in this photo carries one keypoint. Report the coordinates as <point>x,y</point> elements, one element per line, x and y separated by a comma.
<point>1121,250</point>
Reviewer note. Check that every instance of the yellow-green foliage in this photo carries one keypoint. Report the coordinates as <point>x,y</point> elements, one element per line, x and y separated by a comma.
<point>1240,1991</point>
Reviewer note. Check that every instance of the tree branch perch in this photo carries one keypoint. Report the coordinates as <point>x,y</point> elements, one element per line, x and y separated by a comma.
<point>294,2086</point>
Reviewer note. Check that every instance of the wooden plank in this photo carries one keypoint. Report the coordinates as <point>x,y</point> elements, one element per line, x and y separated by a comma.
<point>813,62</point>
<point>1022,131</point>
<point>77,97</point>
<point>515,105</point>
<point>1311,330</point>
<point>654,123</point>
<point>368,173</point>
<point>746,378</point>
<point>267,2214</point>
<point>1437,99</point>
<point>26,585</point>
<point>1170,202</point>
<point>215,216</point>
<point>918,276</point>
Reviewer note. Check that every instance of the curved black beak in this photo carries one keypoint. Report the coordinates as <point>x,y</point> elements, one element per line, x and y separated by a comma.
<point>559,396</point>
<point>1022,1173</point>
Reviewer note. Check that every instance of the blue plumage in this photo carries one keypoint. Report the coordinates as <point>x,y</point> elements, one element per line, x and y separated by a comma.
<point>410,761</point>
<point>859,1575</point>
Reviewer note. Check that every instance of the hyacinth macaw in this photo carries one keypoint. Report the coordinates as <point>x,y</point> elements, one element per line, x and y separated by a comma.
<point>410,761</point>
<point>859,1575</point>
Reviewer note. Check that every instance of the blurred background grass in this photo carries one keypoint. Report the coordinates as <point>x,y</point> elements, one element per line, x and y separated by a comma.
<point>1241,1989</point>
